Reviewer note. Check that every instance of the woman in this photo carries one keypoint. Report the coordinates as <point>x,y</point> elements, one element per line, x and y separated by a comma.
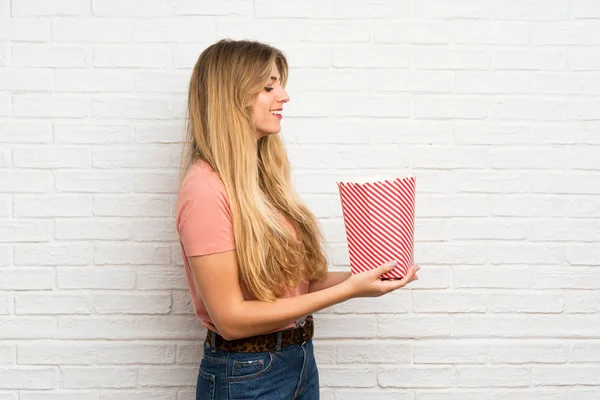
<point>253,253</point>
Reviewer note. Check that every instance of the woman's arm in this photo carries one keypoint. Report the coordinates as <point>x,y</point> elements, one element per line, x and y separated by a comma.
<point>216,276</point>
<point>331,279</point>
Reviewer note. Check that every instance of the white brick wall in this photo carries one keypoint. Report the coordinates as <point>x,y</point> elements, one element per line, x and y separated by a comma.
<point>493,105</point>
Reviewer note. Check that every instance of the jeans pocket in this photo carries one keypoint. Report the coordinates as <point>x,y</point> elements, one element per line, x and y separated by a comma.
<point>205,387</point>
<point>249,366</point>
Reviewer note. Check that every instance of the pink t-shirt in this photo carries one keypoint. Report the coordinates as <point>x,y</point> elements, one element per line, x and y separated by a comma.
<point>205,226</point>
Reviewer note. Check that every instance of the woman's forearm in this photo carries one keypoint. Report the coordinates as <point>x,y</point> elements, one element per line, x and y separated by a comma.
<point>331,279</point>
<point>256,317</point>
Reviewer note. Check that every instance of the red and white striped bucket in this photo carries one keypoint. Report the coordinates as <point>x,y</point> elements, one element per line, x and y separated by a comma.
<point>379,218</point>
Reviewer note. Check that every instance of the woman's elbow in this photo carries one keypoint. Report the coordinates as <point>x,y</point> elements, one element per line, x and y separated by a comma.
<point>229,330</point>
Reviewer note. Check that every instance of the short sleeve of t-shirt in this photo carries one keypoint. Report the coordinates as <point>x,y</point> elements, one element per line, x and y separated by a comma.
<point>204,218</point>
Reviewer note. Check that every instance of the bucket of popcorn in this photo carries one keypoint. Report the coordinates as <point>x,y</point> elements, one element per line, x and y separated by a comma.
<point>379,218</point>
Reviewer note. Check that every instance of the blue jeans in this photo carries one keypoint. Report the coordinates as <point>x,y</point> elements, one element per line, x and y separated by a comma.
<point>273,375</point>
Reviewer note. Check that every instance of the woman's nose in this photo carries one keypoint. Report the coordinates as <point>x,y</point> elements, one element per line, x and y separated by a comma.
<point>283,96</point>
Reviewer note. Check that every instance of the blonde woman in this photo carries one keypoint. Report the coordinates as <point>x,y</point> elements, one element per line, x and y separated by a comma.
<point>253,252</point>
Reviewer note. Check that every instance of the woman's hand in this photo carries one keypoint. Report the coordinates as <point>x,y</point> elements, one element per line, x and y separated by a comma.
<point>369,284</point>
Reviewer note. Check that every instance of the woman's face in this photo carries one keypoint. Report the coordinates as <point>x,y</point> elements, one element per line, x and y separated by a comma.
<point>267,110</point>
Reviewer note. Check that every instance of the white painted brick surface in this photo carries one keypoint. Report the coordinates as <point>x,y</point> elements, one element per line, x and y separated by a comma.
<point>494,106</point>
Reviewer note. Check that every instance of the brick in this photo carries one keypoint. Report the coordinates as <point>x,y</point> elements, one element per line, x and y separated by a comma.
<point>440,57</point>
<point>545,277</point>
<point>129,353</point>
<point>564,375</point>
<point>95,278</point>
<point>576,32</point>
<point>5,105</point>
<point>492,229</point>
<point>530,351</point>
<point>171,376</point>
<point>21,328</point>
<point>50,157</point>
<point>502,82</point>
<point>525,393</point>
<point>43,55</point>
<point>441,302</point>
<point>7,355</point>
<point>93,182</point>
<point>52,353</point>
<point>527,303</point>
<point>133,8</point>
<point>525,326</point>
<point>271,8</point>
<point>27,279</point>
<point>52,303</point>
<point>184,30</point>
<point>372,56</point>
<point>584,58</point>
<point>584,110</point>
<point>447,254</point>
<point>474,133</point>
<point>491,182</point>
<point>492,376</point>
<point>529,59</point>
<point>437,9</point>
<point>130,253</point>
<point>565,182</point>
<point>155,230</point>
<point>129,56</point>
<point>39,80</point>
<point>336,376</point>
<point>90,30</point>
<point>29,378</point>
<point>181,302</point>
<point>581,302</point>
<point>156,182</point>
<point>171,82</point>
<point>131,205</point>
<point>423,32</point>
<point>450,352</point>
<point>363,326</point>
<point>52,206</point>
<point>23,131</point>
<point>132,303</point>
<point>139,157</point>
<point>411,326</point>
<point>15,231</point>
<point>371,394</point>
<point>433,157</point>
<point>374,352</point>
<point>27,8</point>
<point>393,303</point>
<point>415,81</point>
<point>52,254</point>
<point>492,33</point>
<point>49,105</point>
<point>157,132</point>
<point>415,377</point>
<point>6,307</point>
<point>95,132</point>
<point>149,278</point>
<point>142,327</point>
<point>189,354</point>
<point>236,7</point>
<point>98,377</point>
<point>93,81</point>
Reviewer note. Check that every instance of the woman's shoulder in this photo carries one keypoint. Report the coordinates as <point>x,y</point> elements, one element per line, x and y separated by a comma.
<point>201,175</point>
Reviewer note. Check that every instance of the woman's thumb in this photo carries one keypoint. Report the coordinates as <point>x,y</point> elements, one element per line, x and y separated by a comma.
<point>390,265</point>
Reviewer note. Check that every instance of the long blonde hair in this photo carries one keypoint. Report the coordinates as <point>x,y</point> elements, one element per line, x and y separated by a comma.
<point>256,173</point>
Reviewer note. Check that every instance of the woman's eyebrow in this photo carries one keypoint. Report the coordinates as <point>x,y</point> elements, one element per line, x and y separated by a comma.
<point>274,78</point>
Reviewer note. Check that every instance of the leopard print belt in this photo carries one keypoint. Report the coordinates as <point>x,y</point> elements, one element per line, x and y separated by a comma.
<point>266,342</point>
